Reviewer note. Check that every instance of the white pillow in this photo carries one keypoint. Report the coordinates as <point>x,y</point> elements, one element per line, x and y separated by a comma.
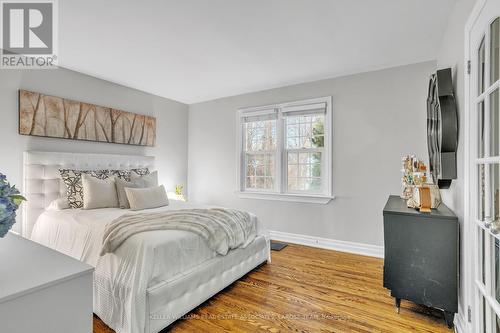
<point>145,198</point>
<point>150,180</point>
<point>59,204</point>
<point>121,184</point>
<point>98,193</point>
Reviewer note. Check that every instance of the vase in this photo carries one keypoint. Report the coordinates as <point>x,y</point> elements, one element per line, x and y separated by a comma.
<point>407,191</point>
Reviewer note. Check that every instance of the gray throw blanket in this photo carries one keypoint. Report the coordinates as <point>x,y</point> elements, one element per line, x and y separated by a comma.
<point>222,229</point>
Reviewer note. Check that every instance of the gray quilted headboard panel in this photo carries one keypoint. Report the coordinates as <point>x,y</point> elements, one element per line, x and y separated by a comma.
<point>42,183</point>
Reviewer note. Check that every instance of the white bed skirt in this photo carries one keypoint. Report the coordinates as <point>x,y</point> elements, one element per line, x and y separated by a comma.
<point>170,300</point>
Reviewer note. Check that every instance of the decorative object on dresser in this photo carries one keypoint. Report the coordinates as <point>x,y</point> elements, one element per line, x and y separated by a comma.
<point>421,256</point>
<point>414,173</point>
<point>10,199</point>
<point>442,128</point>
<point>40,284</point>
<point>424,195</point>
<point>56,117</point>
<point>434,196</point>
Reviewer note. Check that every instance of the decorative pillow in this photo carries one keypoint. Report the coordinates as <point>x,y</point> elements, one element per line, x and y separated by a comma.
<point>125,174</point>
<point>146,198</point>
<point>59,204</point>
<point>121,174</point>
<point>98,193</point>
<point>141,171</point>
<point>121,184</point>
<point>150,180</point>
<point>73,181</point>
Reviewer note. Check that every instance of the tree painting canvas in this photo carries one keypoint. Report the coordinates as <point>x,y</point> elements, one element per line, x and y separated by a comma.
<point>56,117</point>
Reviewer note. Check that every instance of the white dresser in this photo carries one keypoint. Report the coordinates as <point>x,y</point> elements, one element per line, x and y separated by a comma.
<point>42,290</point>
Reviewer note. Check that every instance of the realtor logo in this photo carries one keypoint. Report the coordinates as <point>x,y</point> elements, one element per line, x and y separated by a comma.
<point>28,34</point>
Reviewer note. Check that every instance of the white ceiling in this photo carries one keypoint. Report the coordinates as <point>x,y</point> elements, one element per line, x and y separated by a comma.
<point>197,50</point>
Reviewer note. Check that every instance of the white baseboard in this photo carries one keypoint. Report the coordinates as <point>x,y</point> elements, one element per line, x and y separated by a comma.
<point>330,244</point>
<point>459,323</point>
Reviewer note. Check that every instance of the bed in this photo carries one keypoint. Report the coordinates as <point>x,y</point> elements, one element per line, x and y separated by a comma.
<point>154,277</point>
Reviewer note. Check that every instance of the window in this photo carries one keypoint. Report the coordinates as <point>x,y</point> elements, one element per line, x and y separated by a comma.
<point>260,152</point>
<point>285,151</point>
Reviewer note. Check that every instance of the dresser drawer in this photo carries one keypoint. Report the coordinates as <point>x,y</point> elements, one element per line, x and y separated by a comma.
<point>42,290</point>
<point>61,308</point>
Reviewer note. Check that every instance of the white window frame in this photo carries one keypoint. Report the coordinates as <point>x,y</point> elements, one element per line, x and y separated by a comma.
<point>280,192</point>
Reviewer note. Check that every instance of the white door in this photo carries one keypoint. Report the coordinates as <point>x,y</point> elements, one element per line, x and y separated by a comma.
<point>484,168</point>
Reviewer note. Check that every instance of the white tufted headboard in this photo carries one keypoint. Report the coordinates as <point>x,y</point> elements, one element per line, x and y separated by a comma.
<point>42,183</point>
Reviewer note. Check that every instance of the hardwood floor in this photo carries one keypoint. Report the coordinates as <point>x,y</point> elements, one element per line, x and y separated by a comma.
<point>306,289</point>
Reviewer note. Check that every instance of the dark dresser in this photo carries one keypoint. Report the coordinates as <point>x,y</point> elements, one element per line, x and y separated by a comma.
<point>421,256</point>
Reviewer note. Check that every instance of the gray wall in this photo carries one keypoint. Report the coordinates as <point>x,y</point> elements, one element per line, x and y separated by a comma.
<point>172,120</point>
<point>451,55</point>
<point>378,117</point>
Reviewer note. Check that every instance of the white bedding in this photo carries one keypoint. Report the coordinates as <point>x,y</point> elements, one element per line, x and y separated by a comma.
<point>142,261</point>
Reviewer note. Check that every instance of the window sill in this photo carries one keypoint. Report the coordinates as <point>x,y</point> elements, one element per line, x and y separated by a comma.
<point>304,198</point>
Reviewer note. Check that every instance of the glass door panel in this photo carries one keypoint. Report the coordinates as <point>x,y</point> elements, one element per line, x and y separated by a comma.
<point>488,317</point>
<point>486,104</point>
<point>482,253</point>
<point>494,124</point>
<point>481,205</point>
<point>493,194</point>
<point>481,130</point>
<point>497,271</point>
<point>482,66</point>
<point>494,51</point>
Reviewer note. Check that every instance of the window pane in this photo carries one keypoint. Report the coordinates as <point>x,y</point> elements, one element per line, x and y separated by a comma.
<point>481,205</point>
<point>494,51</point>
<point>482,253</point>
<point>494,142</point>
<point>492,180</point>
<point>293,171</point>
<point>260,135</point>
<point>480,119</point>
<point>482,64</point>
<point>292,130</point>
<point>269,184</point>
<point>304,158</point>
<point>488,198</point>
<point>305,131</point>
<point>484,308</point>
<point>497,276</point>
<point>304,171</point>
<point>316,170</point>
<point>260,171</point>
<point>315,184</point>
<point>293,143</point>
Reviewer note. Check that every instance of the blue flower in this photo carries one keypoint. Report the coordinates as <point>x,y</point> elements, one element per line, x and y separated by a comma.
<point>9,203</point>
<point>6,224</point>
<point>7,208</point>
